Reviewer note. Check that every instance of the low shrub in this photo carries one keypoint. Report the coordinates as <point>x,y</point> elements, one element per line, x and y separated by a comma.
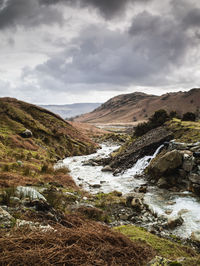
<point>189,116</point>
<point>156,120</point>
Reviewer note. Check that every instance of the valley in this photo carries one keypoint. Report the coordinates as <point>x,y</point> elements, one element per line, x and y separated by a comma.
<point>58,176</point>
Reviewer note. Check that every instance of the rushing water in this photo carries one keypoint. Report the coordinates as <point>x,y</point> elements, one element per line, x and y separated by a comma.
<point>159,200</point>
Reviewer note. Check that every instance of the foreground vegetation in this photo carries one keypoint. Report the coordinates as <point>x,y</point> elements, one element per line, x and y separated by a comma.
<point>68,227</point>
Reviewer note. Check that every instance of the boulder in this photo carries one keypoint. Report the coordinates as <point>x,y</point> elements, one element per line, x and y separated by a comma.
<point>107,168</point>
<point>162,183</point>
<point>166,164</point>
<point>173,222</point>
<point>194,178</point>
<point>188,163</point>
<point>95,186</point>
<point>26,134</point>
<point>134,199</point>
<point>24,192</point>
<point>195,236</point>
<point>136,203</point>
<point>6,220</point>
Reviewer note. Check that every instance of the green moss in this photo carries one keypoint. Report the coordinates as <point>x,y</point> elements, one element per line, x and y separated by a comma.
<point>185,131</point>
<point>163,247</point>
<point>106,201</point>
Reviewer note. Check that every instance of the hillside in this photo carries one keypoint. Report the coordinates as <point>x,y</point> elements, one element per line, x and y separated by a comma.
<point>71,110</point>
<point>51,135</point>
<point>138,106</point>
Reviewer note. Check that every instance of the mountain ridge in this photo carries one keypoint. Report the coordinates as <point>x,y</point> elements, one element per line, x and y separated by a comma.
<point>138,106</point>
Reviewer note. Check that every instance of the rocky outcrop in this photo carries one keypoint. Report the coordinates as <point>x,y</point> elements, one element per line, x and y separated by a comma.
<point>146,145</point>
<point>178,167</point>
<point>27,134</point>
<point>166,164</point>
<point>6,220</point>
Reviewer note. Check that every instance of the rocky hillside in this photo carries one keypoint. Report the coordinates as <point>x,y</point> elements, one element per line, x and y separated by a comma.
<point>138,106</point>
<point>28,128</point>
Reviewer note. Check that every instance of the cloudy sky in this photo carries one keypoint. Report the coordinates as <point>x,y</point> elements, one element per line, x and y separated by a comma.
<point>66,51</point>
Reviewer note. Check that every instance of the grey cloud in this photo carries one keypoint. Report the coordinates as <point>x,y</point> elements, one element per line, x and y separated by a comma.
<point>148,54</point>
<point>102,56</point>
<point>27,13</point>
<point>108,8</point>
<point>35,12</point>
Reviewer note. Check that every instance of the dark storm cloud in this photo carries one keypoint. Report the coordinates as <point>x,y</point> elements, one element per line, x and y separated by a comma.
<point>148,54</point>
<point>35,12</point>
<point>27,13</point>
<point>108,8</point>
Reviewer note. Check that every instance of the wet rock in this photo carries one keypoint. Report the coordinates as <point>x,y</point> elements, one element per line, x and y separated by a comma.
<point>107,168</point>
<point>194,178</point>
<point>168,212</point>
<point>183,211</point>
<point>142,189</point>
<point>136,203</point>
<point>171,202</point>
<point>166,164</point>
<point>6,220</point>
<point>173,222</point>
<point>26,134</point>
<point>188,163</point>
<point>95,186</point>
<point>195,236</point>
<point>146,145</point>
<point>162,183</point>
<point>177,145</point>
<point>134,195</point>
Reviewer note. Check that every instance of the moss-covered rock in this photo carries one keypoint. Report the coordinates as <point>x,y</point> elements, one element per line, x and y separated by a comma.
<point>166,164</point>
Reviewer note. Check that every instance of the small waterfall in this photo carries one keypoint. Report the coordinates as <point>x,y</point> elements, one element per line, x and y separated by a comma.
<point>142,163</point>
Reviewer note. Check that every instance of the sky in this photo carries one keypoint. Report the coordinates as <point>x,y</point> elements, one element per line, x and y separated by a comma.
<point>68,51</point>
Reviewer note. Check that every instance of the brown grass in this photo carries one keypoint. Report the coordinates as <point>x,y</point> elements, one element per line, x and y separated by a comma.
<point>19,142</point>
<point>8,179</point>
<point>82,243</point>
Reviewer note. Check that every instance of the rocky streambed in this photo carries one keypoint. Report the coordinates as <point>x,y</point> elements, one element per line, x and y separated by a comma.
<point>160,210</point>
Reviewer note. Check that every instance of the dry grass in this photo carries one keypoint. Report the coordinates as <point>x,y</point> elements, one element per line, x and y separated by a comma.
<point>81,243</point>
<point>8,179</point>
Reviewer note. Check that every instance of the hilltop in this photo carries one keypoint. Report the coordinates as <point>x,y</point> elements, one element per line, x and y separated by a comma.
<point>137,106</point>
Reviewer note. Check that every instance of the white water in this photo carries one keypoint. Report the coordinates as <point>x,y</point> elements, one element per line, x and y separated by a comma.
<point>158,199</point>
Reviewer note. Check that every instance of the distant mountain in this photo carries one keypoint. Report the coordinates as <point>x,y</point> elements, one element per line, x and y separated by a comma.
<point>139,106</point>
<point>71,110</point>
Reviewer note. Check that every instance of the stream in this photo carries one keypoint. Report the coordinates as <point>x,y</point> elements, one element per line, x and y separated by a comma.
<point>158,200</point>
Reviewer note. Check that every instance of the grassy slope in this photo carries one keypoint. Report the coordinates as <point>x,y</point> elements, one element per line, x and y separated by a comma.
<point>53,138</point>
<point>163,247</point>
<point>185,131</point>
